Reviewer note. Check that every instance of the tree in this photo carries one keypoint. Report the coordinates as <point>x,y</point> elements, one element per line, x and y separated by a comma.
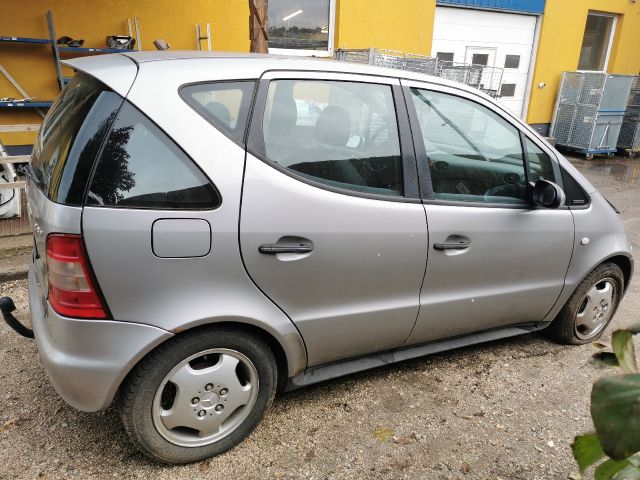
<point>258,26</point>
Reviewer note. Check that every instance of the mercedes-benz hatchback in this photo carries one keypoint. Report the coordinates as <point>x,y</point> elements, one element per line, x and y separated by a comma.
<point>210,229</point>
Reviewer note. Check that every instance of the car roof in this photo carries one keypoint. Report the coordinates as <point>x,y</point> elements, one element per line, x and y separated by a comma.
<point>261,63</point>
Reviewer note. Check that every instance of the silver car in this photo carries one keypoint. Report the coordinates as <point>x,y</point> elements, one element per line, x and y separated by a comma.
<point>210,229</point>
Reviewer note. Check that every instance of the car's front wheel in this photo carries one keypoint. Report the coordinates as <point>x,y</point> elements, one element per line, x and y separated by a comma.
<point>589,310</point>
<point>199,394</point>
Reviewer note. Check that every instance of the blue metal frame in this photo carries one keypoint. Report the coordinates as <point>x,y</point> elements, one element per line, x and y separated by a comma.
<point>24,40</point>
<point>95,50</point>
<point>25,104</point>
<point>60,48</point>
<point>520,6</point>
<point>591,151</point>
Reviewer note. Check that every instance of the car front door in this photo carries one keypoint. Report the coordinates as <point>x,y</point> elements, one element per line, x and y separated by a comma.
<point>494,260</point>
<point>332,229</point>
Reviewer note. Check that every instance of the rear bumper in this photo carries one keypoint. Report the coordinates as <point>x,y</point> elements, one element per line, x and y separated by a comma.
<point>86,360</point>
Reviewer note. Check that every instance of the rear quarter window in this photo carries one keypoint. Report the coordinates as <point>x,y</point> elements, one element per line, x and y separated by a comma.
<point>141,167</point>
<point>224,104</point>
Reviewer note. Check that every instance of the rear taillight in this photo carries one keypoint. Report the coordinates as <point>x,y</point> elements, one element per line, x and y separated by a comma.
<point>71,291</point>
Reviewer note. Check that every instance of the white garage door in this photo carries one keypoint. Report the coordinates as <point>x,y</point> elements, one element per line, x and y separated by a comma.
<point>495,39</point>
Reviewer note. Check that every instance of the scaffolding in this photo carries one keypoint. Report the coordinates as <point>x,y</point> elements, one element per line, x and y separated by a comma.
<point>485,78</point>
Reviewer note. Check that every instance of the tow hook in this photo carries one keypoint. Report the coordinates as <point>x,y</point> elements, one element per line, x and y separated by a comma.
<point>6,307</point>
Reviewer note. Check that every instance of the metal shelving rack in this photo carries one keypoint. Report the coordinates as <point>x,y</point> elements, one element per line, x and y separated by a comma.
<point>24,103</point>
<point>57,52</point>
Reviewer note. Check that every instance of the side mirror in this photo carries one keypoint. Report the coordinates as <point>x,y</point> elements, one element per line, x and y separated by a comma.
<point>547,194</point>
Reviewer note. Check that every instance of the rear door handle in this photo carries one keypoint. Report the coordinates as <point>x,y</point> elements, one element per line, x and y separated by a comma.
<point>451,245</point>
<point>276,248</point>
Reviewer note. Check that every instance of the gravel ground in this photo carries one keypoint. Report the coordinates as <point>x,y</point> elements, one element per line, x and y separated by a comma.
<point>508,409</point>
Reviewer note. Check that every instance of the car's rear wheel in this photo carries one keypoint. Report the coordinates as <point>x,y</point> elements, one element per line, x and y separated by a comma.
<point>590,309</point>
<point>199,394</point>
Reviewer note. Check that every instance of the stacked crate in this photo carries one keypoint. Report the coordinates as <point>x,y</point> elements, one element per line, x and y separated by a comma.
<point>629,138</point>
<point>589,111</point>
<point>484,78</point>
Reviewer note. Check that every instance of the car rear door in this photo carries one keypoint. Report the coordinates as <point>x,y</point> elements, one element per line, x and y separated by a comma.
<point>331,226</point>
<point>494,260</point>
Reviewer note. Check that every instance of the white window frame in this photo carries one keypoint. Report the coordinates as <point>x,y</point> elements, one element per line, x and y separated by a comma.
<point>314,53</point>
<point>611,37</point>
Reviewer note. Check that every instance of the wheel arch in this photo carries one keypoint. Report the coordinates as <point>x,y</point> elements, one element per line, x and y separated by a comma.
<point>626,265</point>
<point>287,347</point>
<point>282,361</point>
<point>621,259</point>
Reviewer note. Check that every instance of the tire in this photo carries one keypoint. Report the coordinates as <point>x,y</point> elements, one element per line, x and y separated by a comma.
<point>161,417</point>
<point>569,326</point>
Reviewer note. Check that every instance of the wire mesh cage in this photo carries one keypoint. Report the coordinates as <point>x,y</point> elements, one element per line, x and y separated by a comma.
<point>590,110</point>
<point>362,55</point>
<point>405,61</point>
<point>634,98</point>
<point>629,138</point>
<point>630,134</point>
<point>485,78</point>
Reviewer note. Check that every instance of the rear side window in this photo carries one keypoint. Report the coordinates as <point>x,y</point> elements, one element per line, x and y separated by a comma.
<point>141,167</point>
<point>70,138</point>
<point>225,104</point>
<point>341,134</point>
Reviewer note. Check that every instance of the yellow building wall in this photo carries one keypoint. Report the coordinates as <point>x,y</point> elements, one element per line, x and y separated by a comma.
<point>561,37</point>
<point>32,65</point>
<point>405,26</point>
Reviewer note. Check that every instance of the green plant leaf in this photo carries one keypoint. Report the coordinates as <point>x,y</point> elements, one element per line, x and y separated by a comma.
<point>628,473</point>
<point>604,360</point>
<point>587,450</point>
<point>622,344</point>
<point>608,469</point>
<point>615,410</point>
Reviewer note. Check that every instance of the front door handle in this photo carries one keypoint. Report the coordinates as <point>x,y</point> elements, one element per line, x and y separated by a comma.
<point>276,248</point>
<point>451,245</point>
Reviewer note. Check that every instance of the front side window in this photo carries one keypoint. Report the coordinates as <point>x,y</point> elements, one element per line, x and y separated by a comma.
<point>341,134</point>
<point>474,154</point>
<point>225,104</point>
<point>596,44</point>
<point>141,167</point>
<point>540,163</point>
<point>302,25</point>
